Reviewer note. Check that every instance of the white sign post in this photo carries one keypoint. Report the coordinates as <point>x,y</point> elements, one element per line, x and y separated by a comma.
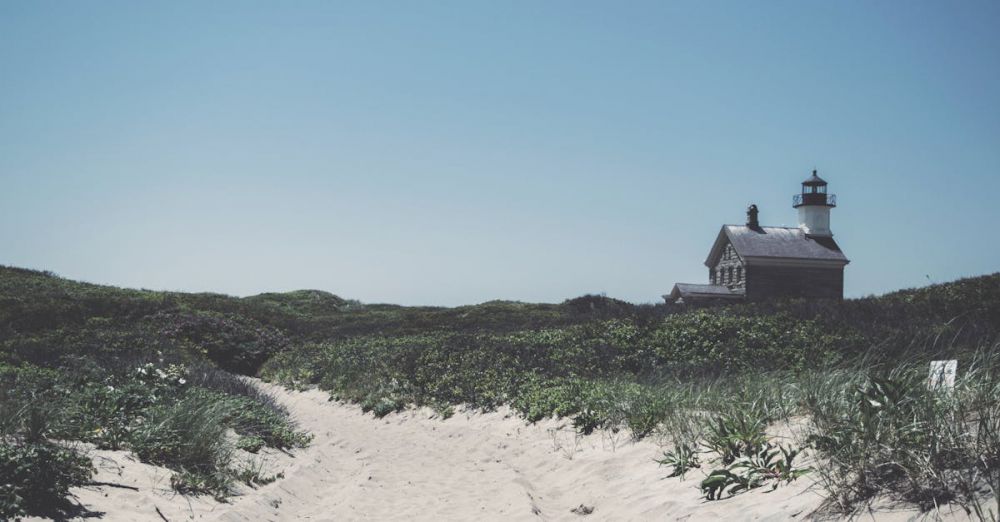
<point>942,375</point>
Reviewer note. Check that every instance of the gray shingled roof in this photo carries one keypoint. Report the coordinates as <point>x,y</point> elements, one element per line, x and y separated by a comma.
<point>776,242</point>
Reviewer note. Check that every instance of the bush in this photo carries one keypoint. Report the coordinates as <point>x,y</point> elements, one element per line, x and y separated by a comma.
<point>35,478</point>
<point>233,342</point>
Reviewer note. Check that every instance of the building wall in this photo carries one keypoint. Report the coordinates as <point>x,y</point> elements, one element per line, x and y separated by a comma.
<point>790,281</point>
<point>729,271</point>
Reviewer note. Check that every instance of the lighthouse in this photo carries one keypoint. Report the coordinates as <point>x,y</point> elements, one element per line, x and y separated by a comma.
<point>814,206</point>
<point>752,262</point>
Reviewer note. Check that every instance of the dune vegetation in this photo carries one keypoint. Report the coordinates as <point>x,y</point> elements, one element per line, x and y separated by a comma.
<point>710,382</point>
<point>158,374</point>
<point>148,372</point>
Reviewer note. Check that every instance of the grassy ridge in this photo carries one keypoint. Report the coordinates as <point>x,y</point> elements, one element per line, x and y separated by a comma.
<point>711,380</point>
<point>595,338</point>
<point>156,373</point>
<point>149,372</point>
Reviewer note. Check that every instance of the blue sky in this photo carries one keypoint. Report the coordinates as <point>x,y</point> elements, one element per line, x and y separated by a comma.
<point>457,152</point>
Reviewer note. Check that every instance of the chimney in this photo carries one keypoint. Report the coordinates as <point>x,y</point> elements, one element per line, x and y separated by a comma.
<point>752,216</point>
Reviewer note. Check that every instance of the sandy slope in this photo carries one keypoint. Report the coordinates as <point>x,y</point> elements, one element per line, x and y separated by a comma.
<point>486,466</point>
<point>414,466</point>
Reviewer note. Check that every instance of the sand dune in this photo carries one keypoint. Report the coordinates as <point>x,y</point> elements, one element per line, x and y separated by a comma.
<point>473,466</point>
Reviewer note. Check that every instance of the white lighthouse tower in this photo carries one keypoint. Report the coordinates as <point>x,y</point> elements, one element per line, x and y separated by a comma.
<point>814,206</point>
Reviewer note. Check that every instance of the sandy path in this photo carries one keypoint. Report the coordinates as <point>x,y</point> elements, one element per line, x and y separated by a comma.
<point>473,466</point>
<point>491,466</point>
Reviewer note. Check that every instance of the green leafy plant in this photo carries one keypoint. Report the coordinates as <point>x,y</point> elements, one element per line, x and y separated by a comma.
<point>682,458</point>
<point>36,478</point>
<point>737,434</point>
<point>252,473</point>
<point>588,420</point>
<point>251,444</point>
<point>769,464</point>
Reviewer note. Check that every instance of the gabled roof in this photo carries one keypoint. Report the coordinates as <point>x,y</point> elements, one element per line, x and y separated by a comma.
<point>689,290</point>
<point>789,243</point>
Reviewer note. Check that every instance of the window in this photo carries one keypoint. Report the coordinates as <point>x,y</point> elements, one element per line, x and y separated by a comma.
<point>739,274</point>
<point>731,280</point>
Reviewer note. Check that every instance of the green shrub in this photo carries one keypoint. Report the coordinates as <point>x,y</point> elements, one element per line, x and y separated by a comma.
<point>251,444</point>
<point>104,414</point>
<point>587,421</point>
<point>35,478</point>
<point>538,399</point>
<point>384,406</point>
<point>232,341</point>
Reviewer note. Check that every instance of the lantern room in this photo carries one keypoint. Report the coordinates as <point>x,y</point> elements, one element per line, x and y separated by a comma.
<point>814,193</point>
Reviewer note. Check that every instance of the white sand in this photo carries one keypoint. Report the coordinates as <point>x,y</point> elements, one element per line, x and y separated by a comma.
<point>473,466</point>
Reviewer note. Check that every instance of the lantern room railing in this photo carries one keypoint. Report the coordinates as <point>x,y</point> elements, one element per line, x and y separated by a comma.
<point>829,200</point>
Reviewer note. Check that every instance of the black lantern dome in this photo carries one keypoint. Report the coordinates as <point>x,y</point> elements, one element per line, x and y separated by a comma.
<point>814,193</point>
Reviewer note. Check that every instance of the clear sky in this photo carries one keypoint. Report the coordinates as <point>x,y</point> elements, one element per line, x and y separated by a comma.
<point>456,152</point>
